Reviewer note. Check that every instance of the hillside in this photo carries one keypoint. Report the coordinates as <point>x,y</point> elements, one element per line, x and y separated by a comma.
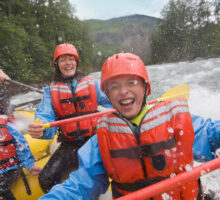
<point>128,33</point>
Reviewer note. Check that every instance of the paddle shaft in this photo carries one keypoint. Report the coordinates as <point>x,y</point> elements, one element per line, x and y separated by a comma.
<point>94,115</point>
<point>178,91</point>
<point>24,85</point>
<point>171,183</point>
<point>35,101</point>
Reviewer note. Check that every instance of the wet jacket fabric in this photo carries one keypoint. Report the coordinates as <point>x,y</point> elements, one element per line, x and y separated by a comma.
<point>92,170</point>
<point>158,147</point>
<point>207,138</point>
<point>46,112</point>
<point>23,151</point>
<point>67,105</point>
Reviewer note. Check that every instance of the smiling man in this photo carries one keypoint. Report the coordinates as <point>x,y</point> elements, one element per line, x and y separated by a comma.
<point>137,146</point>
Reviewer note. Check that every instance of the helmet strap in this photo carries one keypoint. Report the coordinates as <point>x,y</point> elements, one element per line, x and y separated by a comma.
<point>145,98</point>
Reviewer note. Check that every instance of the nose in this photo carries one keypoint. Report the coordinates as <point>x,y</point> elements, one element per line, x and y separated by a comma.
<point>124,90</point>
<point>68,61</point>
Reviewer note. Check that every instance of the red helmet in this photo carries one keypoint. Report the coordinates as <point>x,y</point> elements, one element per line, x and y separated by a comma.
<point>63,49</point>
<point>124,64</point>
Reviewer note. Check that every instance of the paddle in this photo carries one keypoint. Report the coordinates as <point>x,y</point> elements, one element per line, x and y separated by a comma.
<point>33,102</point>
<point>178,91</point>
<point>24,85</point>
<point>173,182</point>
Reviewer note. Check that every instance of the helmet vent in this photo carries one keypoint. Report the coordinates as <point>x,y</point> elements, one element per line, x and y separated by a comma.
<point>131,58</point>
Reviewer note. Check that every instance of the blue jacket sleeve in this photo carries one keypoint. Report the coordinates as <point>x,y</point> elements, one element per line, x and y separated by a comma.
<point>23,151</point>
<point>207,138</point>
<point>46,113</point>
<point>88,182</point>
<point>102,99</point>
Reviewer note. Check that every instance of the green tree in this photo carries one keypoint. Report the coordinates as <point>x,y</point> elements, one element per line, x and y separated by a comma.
<point>30,31</point>
<point>186,31</point>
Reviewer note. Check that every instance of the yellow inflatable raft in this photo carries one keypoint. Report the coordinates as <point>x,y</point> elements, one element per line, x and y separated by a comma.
<point>41,149</point>
<point>19,190</point>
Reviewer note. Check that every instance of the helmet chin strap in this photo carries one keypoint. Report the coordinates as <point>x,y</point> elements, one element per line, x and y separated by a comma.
<point>144,99</point>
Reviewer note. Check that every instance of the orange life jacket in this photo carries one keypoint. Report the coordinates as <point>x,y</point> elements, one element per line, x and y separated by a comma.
<point>82,102</point>
<point>160,147</point>
<point>7,146</point>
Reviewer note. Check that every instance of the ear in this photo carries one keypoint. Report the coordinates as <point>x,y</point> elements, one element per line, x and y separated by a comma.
<point>56,64</point>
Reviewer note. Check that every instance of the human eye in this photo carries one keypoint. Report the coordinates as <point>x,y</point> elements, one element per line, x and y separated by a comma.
<point>113,86</point>
<point>62,60</point>
<point>72,58</point>
<point>132,82</point>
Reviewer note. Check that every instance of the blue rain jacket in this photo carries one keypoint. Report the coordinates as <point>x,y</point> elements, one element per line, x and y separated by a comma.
<point>207,138</point>
<point>91,179</point>
<point>23,151</point>
<point>46,112</point>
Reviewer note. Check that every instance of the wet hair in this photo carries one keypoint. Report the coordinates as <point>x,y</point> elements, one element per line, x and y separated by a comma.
<point>58,75</point>
<point>145,96</point>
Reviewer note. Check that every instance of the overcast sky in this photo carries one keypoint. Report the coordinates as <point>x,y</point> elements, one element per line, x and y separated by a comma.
<point>106,9</point>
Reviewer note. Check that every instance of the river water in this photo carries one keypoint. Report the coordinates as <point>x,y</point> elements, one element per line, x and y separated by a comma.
<point>203,77</point>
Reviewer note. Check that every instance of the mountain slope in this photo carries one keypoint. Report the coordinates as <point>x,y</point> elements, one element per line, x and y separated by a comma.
<point>118,28</point>
<point>128,34</point>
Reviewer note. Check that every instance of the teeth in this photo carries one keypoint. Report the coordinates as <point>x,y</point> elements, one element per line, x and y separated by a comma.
<point>127,101</point>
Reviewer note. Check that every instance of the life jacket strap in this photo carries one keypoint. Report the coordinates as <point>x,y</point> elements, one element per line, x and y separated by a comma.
<point>80,132</point>
<point>143,150</point>
<point>77,114</point>
<point>6,143</point>
<point>131,187</point>
<point>74,99</point>
<point>3,125</point>
<point>7,160</point>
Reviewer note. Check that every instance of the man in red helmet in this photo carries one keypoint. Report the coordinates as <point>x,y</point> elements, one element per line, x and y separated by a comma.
<point>137,146</point>
<point>69,95</point>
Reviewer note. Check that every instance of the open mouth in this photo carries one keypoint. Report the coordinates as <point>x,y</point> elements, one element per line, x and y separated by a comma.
<point>68,68</point>
<point>126,102</point>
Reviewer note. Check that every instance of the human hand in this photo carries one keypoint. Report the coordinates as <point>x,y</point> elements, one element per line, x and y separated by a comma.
<point>36,129</point>
<point>35,170</point>
<point>3,76</point>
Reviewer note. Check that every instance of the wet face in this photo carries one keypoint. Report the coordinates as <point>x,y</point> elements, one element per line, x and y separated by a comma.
<point>126,94</point>
<point>67,65</point>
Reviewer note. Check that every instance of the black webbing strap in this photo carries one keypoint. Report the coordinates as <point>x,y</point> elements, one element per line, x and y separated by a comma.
<point>23,176</point>
<point>3,126</point>
<point>7,160</point>
<point>80,132</point>
<point>74,99</point>
<point>77,114</point>
<point>137,185</point>
<point>143,150</point>
<point>6,143</point>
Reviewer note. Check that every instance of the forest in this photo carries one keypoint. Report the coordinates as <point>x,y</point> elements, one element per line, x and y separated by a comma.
<point>31,29</point>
